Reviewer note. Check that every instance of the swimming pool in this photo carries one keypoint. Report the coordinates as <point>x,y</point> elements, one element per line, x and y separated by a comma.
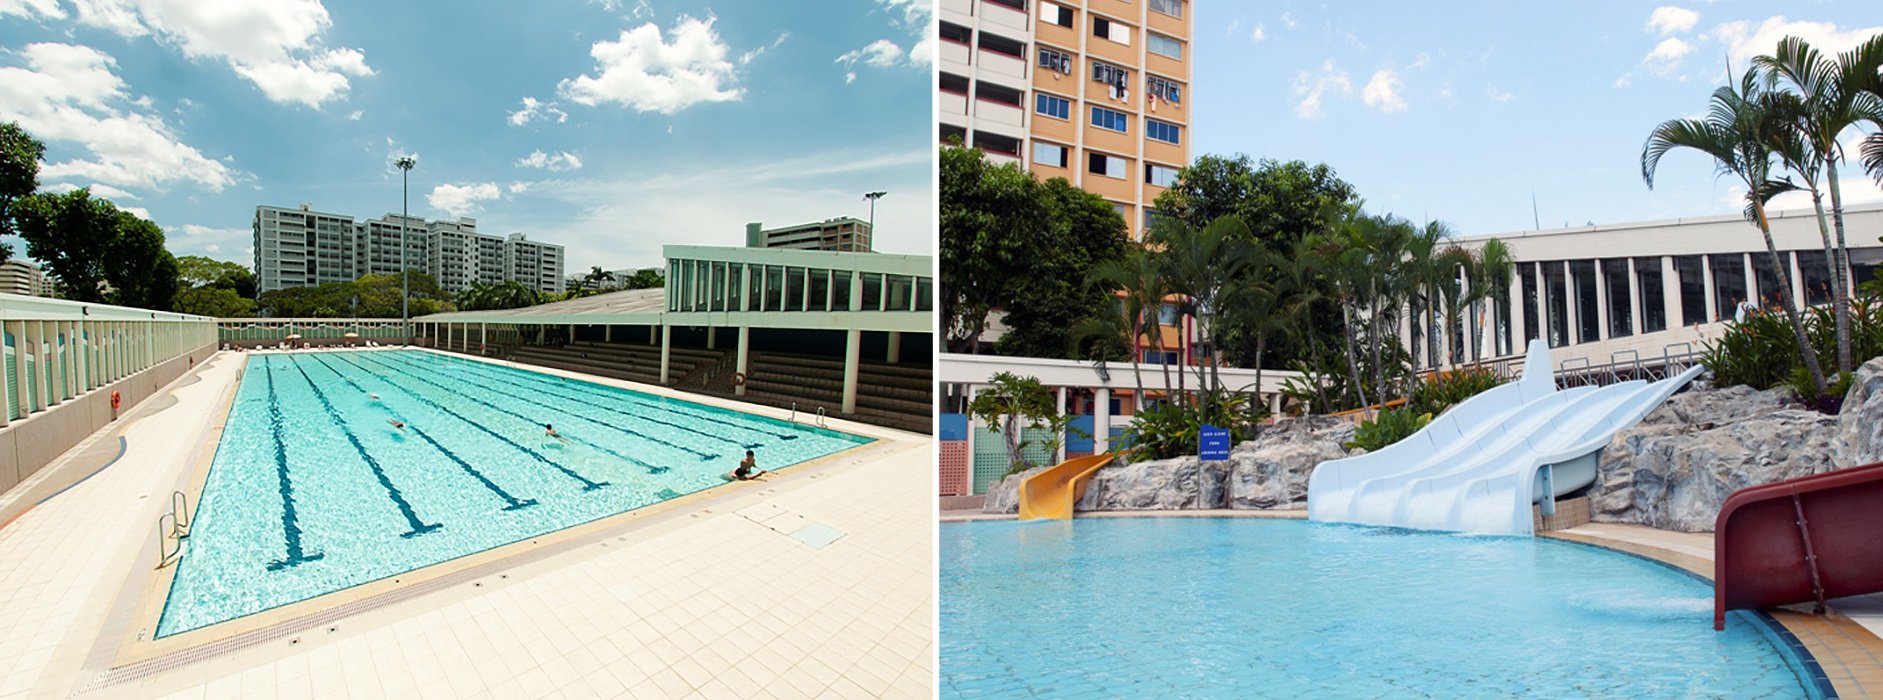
<point>1220,607</point>
<point>313,489</point>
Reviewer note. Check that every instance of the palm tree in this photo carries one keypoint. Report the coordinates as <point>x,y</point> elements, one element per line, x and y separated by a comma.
<point>1141,294</point>
<point>597,278</point>
<point>1340,256</point>
<point>1491,277</point>
<point>1203,267</point>
<point>1738,132</point>
<point>1829,100</point>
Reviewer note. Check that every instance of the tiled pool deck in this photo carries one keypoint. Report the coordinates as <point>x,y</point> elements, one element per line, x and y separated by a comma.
<point>701,598</point>
<point>1847,643</point>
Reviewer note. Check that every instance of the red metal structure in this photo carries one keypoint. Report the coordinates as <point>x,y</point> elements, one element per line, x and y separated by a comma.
<point>1799,540</point>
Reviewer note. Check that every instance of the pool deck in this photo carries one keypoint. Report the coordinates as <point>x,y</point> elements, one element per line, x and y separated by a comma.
<point>703,596</point>
<point>1847,643</point>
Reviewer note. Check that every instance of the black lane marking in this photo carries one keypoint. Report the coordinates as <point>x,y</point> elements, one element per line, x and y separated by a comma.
<point>592,420</point>
<point>541,386</point>
<point>513,502</point>
<point>637,399</point>
<point>587,485</point>
<point>418,527</point>
<point>651,469</point>
<point>290,523</point>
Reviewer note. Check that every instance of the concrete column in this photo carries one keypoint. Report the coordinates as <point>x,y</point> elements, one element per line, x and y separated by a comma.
<point>1101,421</point>
<point>1797,280</point>
<point>1601,303</point>
<point>745,337</point>
<point>68,358</point>
<point>712,338</point>
<point>1753,293</point>
<point>1712,295</point>
<point>852,353</point>
<point>895,347</point>
<point>608,334</point>
<point>1515,304</point>
<point>652,331</point>
<point>6,395</point>
<point>1060,455</point>
<point>1572,316</point>
<point>1670,292</point>
<point>18,330</point>
<point>35,330</point>
<point>1545,292</point>
<point>666,351</point>
<point>571,335</point>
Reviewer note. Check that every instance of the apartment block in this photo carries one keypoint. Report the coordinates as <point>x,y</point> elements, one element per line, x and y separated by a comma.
<point>22,278</point>
<point>298,247</point>
<point>843,234</point>
<point>1094,91</point>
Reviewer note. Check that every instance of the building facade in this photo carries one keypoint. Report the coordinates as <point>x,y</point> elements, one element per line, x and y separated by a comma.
<point>843,234</point>
<point>299,247</point>
<point>1614,292</point>
<point>1094,91</point>
<point>22,278</point>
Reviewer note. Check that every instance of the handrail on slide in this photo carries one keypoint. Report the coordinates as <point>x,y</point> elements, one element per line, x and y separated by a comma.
<point>1050,494</point>
<point>1799,540</point>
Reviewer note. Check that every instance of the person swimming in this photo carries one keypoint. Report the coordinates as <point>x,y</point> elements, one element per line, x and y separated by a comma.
<point>550,431</point>
<point>396,423</point>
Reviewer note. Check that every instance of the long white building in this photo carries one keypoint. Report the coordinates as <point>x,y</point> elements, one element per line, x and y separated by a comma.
<point>298,247</point>
<point>1602,292</point>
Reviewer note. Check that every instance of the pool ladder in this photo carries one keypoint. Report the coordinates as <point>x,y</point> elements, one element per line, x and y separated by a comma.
<point>178,528</point>
<point>821,421</point>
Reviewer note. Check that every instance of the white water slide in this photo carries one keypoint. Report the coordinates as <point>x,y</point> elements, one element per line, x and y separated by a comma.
<point>1479,467</point>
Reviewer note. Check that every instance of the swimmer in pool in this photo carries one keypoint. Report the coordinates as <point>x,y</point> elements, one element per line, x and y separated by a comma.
<point>550,431</point>
<point>374,397</point>
<point>396,423</point>
<point>744,472</point>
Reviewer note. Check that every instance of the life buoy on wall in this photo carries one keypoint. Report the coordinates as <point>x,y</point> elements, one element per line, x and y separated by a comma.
<point>738,379</point>
<point>116,400</point>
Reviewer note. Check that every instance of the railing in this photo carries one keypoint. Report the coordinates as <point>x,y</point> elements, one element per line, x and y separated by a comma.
<point>179,528</point>
<point>1626,365</point>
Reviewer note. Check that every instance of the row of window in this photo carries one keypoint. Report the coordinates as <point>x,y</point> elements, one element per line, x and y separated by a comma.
<point>715,285</point>
<point>1047,153</point>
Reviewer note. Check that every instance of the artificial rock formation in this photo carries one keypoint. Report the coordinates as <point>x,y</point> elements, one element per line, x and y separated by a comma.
<point>1860,424</point>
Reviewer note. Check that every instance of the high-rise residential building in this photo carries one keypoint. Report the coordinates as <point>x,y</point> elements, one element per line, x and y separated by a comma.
<point>21,277</point>
<point>298,247</point>
<point>843,234</point>
<point>1094,91</point>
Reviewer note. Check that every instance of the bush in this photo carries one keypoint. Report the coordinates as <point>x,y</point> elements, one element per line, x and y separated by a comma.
<point>1387,427</point>
<point>1169,430</point>
<point>1447,389</point>
<point>1760,352</point>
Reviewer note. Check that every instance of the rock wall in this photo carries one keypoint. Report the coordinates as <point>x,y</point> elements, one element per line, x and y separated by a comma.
<point>1860,425</point>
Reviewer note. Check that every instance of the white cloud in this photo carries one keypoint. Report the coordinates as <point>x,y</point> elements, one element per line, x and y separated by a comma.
<point>1666,56</point>
<point>534,110</point>
<point>278,46</point>
<point>747,57</point>
<point>923,52</point>
<point>196,239</point>
<point>356,114</point>
<point>1257,35</point>
<point>1312,86</point>
<point>42,9</point>
<point>557,162</point>
<point>1622,82</point>
<point>1420,62</point>
<point>458,200</point>
<point>881,53</point>
<point>1668,19</point>
<point>1382,92</point>
<point>644,71</point>
<point>1234,24</point>
<point>519,187</point>
<point>913,14</point>
<point>72,94</point>
<point>1500,95</point>
<point>1444,93</point>
<point>1288,20</point>
<point>140,212</point>
<point>100,191</point>
<point>849,77</point>
<point>1743,41</point>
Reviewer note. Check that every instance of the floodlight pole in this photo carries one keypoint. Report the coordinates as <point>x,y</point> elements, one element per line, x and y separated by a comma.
<point>873,196</point>
<point>405,164</point>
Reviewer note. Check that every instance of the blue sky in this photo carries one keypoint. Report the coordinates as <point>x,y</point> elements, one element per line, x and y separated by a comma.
<point>609,126</point>
<point>1457,111</point>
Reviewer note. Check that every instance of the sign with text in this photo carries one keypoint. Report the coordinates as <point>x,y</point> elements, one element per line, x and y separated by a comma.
<point>1212,443</point>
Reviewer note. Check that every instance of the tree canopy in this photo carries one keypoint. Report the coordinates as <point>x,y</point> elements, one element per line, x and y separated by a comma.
<point>97,252</point>
<point>199,271</point>
<point>377,295</point>
<point>1280,203</point>
<point>19,175</point>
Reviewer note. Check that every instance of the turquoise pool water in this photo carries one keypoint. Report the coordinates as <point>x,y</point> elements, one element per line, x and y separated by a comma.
<point>1237,608</point>
<point>313,490</point>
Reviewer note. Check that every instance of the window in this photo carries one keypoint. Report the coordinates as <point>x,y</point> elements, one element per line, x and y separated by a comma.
<point>1729,283</point>
<point>1621,306</point>
<point>1109,166</point>
<point>1162,131</point>
<point>1052,106</point>
<point>997,93</point>
<point>995,143</point>
<point>1164,46</point>
<point>1055,60</point>
<point>1054,14</point>
<point>954,83</point>
<point>956,33</point>
<point>1049,154</point>
<point>1161,89</point>
<point>951,134</point>
<point>1173,8</point>
<point>1014,4</point>
<point>1108,119</point>
<point>1111,75</point>
<point>1652,304</point>
<point>1003,45</point>
<point>1160,175</point>
<point>1690,270</point>
<point>1107,29</point>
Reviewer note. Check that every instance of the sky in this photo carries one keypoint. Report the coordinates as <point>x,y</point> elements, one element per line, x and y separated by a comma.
<point>1460,111</point>
<point>608,126</point>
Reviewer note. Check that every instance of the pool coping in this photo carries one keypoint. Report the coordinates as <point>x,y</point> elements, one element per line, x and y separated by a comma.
<point>1842,656</point>
<point>138,654</point>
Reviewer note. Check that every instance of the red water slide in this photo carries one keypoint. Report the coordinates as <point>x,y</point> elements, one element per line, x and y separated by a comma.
<point>1799,540</point>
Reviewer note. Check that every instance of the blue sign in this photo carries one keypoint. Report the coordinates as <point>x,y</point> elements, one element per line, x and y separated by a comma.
<point>1212,443</point>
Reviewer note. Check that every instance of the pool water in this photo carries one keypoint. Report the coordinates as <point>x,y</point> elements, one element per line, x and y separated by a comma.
<point>313,489</point>
<point>1243,608</point>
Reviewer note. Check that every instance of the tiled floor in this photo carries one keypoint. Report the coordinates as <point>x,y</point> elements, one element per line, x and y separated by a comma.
<point>707,603</point>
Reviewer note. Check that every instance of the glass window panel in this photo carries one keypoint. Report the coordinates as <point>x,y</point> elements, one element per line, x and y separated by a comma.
<point>840,290</point>
<point>1769,284</point>
<point>1729,283</point>
<point>1692,289</point>
<point>1620,302</point>
<point>794,289</point>
<point>1528,290</point>
<point>735,293</point>
<point>924,294</point>
<point>872,291</point>
<point>1557,295</point>
<point>820,290</point>
<point>1814,271</point>
<point>1651,301</point>
<point>1588,323</point>
<point>774,286</point>
<point>900,288</point>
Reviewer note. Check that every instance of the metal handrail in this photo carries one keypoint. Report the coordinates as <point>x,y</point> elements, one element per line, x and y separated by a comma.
<point>820,418</point>
<point>180,514</point>
<point>794,411</point>
<point>165,555</point>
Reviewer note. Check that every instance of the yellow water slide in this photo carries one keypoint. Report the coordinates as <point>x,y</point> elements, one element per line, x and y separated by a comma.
<point>1051,493</point>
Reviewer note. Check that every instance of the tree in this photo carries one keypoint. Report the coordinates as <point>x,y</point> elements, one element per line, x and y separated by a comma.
<point>140,270</point>
<point>214,301</point>
<point>1737,133</point>
<point>650,278</point>
<point>98,253</point>
<point>597,278</point>
<point>1491,273</point>
<point>19,175</point>
<point>511,294</point>
<point>1047,293</point>
<point>1138,288</point>
<point>1205,268</point>
<point>1011,404</point>
<point>370,296</point>
<point>199,271</point>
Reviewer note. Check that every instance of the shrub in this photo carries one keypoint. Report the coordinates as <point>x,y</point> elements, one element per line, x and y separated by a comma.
<point>1447,389</point>
<point>1387,427</point>
<point>1169,430</point>
<point>1761,353</point>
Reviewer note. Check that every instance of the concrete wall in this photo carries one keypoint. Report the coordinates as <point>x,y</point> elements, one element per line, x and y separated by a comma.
<point>30,444</point>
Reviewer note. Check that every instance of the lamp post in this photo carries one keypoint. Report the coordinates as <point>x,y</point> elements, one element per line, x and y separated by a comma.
<point>405,164</point>
<point>873,196</point>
